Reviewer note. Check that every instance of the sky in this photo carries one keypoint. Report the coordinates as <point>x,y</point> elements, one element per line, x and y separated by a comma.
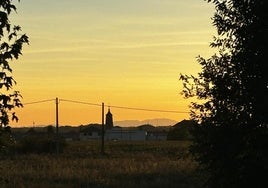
<point>121,53</point>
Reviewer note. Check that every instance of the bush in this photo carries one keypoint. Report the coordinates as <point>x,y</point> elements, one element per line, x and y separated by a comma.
<point>7,142</point>
<point>37,144</point>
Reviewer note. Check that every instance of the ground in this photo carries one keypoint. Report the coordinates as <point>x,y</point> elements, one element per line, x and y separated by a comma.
<point>125,164</point>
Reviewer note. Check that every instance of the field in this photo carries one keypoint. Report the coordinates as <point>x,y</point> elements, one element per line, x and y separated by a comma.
<point>125,164</point>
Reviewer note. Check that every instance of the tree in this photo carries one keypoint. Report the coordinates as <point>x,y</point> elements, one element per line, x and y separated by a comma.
<point>231,138</point>
<point>11,42</point>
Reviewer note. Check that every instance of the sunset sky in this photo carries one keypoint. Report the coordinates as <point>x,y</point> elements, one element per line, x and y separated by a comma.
<point>120,52</point>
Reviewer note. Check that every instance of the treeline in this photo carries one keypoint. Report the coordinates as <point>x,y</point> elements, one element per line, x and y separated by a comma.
<point>31,141</point>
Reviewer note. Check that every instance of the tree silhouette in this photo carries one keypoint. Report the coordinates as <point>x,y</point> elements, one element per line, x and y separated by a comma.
<point>11,42</point>
<point>231,137</point>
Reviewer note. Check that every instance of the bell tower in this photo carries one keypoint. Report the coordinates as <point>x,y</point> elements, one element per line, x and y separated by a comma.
<point>109,120</point>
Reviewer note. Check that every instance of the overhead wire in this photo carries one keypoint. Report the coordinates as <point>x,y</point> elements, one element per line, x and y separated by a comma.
<point>145,109</point>
<point>80,102</point>
<point>37,102</point>
<point>113,106</point>
<point>124,107</point>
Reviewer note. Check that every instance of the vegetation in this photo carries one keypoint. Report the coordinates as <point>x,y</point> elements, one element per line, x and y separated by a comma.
<point>37,144</point>
<point>181,131</point>
<point>232,137</point>
<point>11,42</point>
<point>125,164</point>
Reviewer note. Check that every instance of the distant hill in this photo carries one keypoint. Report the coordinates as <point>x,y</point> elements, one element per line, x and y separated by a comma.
<point>146,127</point>
<point>154,122</point>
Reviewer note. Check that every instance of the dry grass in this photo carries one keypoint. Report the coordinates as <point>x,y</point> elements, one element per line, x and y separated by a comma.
<point>132,164</point>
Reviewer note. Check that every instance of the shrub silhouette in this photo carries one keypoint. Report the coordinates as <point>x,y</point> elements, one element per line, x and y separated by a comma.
<point>37,144</point>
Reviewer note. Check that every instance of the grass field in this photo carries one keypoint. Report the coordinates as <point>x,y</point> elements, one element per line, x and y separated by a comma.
<point>162,164</point>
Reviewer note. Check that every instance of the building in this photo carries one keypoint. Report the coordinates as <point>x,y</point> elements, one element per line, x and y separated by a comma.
<point>109,120</point>
<point>92,132</point>
<point>121,133</point>
<point>115,133</point>
<point>126,134</point>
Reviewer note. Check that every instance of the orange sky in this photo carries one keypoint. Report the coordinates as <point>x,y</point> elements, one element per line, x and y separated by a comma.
<point>120,52</point>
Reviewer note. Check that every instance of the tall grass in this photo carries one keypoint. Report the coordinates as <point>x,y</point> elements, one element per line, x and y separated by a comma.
<point>131,165</point>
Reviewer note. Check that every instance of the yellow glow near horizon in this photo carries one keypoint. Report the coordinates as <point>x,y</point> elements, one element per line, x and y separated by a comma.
<point>121,52</point>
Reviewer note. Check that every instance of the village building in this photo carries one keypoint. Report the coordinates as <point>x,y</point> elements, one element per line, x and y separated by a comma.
<point>111,132</point>
<point>126,134</point>
<point>92,132</point>
<point>142,133</point>
<point>109,124</point>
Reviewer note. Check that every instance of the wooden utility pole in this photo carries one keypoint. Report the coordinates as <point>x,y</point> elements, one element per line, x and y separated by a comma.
<point>102,129</point>
<point>57,126</point>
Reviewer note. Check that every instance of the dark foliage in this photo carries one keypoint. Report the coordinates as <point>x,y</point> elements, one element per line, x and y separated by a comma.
<point>11,42</point>
<point>39,144</point>
<point>181,131</point>
<point>7,142</point>
<point>231,139</point>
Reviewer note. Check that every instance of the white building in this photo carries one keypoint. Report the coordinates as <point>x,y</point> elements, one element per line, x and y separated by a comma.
<point>116,133</point>
<point>125,134</point>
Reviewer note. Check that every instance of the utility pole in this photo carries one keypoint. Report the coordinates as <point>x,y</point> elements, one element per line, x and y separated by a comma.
<point>57,126</point>
<point>102,130</point>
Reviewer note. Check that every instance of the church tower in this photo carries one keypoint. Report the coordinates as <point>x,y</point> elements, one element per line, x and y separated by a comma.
<point>109,120</point>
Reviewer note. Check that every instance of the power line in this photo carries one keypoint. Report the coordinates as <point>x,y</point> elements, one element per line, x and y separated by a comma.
<point>36,102</point>
<point>80,102</point>
<point>151,110</point>
<point>124,107</point>
<point>120,107</point>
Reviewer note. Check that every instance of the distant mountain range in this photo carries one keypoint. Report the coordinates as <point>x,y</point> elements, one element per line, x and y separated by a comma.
<point>155,122</point>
